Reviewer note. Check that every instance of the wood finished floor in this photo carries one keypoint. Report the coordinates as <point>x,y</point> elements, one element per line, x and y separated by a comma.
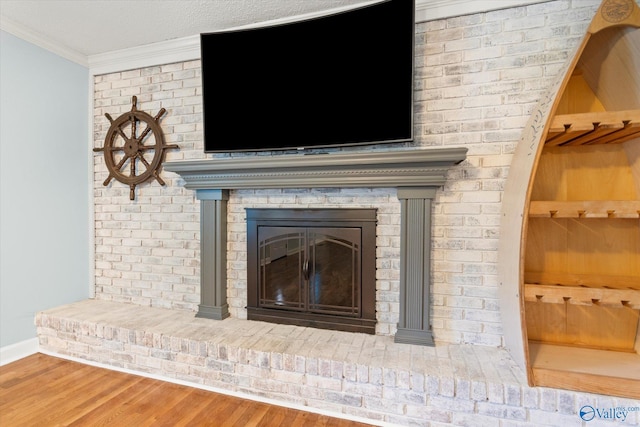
<point>42,390</point>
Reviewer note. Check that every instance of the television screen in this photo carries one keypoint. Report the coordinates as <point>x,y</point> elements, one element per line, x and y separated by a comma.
<point>341,79</point>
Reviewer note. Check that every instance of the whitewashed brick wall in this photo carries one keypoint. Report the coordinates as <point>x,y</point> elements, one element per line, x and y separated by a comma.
<point>148,250</point>
<point>478,78</point>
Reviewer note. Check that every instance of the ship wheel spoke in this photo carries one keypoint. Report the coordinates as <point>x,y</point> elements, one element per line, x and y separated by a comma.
<point>121,163</point>
<point>134,123</point>
<point>112,149</point>
<point>148,128</point>
<point>144,161</point>
<point>155,173</point>
<point>122,142</point>
<point>133,166</point>
<point>121,133</point>
<point>122,166</point>
<point>117,127</point>
<point>144,134</point>
<point>115,168</point>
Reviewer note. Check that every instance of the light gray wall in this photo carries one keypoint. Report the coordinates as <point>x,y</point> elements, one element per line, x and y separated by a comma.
<point>44,231</point>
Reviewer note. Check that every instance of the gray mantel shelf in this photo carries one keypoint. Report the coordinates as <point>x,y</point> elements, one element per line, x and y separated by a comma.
<point>417,174</point>
<point>408,168</point>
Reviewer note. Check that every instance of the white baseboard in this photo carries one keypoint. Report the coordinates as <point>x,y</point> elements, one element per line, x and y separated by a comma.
<point>222,391</point>
<point>13,352</point>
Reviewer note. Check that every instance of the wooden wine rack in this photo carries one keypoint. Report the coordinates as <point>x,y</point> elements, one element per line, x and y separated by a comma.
<point>594,128</point>
<point>587,296</point>
<point>578,269</point>
<point>582,281</point>
<point>628,209</point>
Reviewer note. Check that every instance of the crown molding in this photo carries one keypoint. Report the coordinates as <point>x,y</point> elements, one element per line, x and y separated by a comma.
<point>188,48</point>
<point>165,52</point>
<point>183,49</point>
<point>429,10</point>
<point>39,40</point>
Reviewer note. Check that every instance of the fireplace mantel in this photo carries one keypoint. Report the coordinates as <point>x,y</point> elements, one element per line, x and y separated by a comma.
<point>407,168</point>
<point>417,174</point>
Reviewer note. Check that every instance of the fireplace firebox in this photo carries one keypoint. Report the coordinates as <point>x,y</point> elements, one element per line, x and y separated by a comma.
<point>312,267</point>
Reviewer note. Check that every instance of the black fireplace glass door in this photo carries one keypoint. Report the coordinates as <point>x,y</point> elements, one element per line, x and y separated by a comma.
<point>334,277</point>
<point>312,269</point>
<point>282,255</point>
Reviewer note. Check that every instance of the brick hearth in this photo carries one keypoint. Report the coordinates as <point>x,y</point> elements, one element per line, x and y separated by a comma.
<point>361,375</point>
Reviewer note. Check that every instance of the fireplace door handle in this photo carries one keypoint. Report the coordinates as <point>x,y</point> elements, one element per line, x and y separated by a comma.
<point>305,269</point>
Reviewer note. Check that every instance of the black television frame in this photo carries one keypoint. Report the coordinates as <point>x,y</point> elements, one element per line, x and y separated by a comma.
<point>304,146</point>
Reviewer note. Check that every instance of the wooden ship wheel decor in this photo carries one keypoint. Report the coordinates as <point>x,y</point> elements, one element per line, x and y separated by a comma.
<point>133,158</point>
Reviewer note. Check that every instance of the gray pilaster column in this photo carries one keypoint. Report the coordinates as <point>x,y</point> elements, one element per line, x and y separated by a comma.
<point>415,265</point>
<point>213,254</point>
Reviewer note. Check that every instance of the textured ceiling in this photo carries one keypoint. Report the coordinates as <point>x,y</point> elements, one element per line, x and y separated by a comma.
<point>91,27</point>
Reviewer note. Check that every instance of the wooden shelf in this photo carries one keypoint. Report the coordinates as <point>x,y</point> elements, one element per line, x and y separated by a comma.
<point>626,209</point>
<point>583,369</point>
<point>599,281</point>
<point>594,128</point>
<point>604,297</point>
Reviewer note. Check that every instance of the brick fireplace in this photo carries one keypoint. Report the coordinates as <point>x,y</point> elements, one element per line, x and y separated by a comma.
<point>415,174</point>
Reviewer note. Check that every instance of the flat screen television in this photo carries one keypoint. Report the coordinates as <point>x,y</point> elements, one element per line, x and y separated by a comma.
<point>338,80</point>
